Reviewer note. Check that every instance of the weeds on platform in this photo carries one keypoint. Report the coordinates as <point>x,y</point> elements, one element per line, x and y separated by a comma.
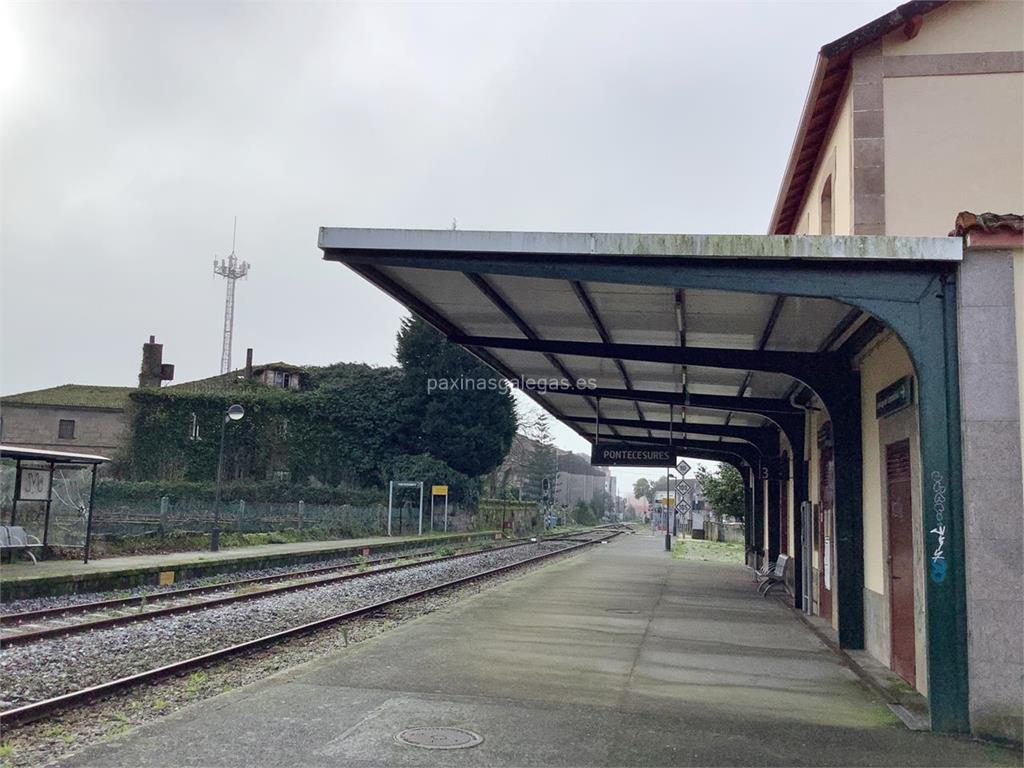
<point>708,551</point>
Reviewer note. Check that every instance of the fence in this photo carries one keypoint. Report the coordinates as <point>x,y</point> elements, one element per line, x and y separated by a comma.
<point>516,517</point>
<point>731,532</point>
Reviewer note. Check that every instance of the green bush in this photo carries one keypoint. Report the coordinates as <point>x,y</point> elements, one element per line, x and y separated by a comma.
<point>115,491</point>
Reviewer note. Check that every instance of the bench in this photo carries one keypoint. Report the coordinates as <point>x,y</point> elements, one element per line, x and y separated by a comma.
<point>774,577</point>
<point>14,537</point>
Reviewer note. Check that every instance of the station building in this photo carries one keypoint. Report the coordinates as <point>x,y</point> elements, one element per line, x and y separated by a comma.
<point>862,365</point>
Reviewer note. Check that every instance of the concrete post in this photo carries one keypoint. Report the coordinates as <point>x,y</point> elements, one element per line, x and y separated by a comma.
<point>302,510</point>
<point>164,503</point>
<point>241,514</point>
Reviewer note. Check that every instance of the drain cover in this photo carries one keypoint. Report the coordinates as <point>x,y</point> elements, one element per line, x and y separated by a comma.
<point>433,737</point>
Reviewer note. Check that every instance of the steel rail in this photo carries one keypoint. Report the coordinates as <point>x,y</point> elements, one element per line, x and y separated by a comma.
<point>28,712</point>
<point>62,630</point>
<point>13,619</point>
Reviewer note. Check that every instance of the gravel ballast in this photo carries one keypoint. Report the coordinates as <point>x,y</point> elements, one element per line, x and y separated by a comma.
<point>60,601</point>
<point>54,666</point>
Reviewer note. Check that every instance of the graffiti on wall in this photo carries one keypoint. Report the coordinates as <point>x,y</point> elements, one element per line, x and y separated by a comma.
<point>939,564</point>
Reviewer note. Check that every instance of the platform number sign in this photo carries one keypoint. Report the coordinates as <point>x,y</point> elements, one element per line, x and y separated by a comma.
<point>35,485</point>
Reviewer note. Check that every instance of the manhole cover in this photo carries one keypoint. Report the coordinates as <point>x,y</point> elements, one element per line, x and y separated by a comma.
<point>432,737</point>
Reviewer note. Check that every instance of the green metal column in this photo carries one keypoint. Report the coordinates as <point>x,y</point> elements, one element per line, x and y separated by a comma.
<point>942,507</point>
<point>774,511</point>
<point>844,410</point>
<point>799,495</point>
<point>748,512</point>
<point>757,518</point>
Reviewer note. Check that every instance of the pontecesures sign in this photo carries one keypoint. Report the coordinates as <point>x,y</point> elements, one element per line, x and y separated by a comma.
<point>626,455</point>
<point>895,397</point>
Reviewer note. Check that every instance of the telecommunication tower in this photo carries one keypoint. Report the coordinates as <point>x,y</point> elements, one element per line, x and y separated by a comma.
<point>230,269</point>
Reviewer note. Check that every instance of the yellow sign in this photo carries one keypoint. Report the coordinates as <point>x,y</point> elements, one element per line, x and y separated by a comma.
<point>439,490</point>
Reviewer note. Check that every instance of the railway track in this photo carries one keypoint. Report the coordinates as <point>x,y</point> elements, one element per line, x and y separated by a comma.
<point>29,626</point>
<point>34,710</point>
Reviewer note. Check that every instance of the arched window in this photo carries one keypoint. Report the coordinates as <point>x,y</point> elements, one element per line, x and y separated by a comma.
<point>826,206</point>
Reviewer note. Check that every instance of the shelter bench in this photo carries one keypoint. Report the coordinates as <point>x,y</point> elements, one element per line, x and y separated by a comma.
<point>15,538</point>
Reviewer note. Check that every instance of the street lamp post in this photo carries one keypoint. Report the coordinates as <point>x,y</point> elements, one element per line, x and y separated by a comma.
<point>235,412</point>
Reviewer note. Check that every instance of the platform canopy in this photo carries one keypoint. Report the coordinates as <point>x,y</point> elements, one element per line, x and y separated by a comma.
<point>588,344</point>
<point>53,457</point>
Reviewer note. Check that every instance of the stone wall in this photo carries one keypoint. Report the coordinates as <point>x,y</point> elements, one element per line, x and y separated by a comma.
<point>994,508</point>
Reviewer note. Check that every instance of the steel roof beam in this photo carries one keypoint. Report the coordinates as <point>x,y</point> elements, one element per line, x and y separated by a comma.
<point>512,315</point>
<point>753,435</point>
<point>446,327</point>
<point>595,319</point>
<point>766,334</point>
<point>754,405</point>
<point>796,364</point>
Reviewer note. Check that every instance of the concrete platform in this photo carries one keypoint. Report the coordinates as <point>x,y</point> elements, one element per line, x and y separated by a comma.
<point>619,657</point>
<point>59,577</point>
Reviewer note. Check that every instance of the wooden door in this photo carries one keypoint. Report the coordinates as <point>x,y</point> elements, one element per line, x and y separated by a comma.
<point>901,559</point>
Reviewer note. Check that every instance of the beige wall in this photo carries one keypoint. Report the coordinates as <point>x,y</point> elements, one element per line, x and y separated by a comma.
<point>881,364</point>
<point>96,430</point>
<point>963,27</point>
<point>952,143</point>
<point>836,159</point>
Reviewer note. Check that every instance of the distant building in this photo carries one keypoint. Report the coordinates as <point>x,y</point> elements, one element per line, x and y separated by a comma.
<point>578,480</point>
<point>510,477</point>
<point>279,374</point>
<point>94,419</point>
<point>78,417</point>
<point>71,417</point>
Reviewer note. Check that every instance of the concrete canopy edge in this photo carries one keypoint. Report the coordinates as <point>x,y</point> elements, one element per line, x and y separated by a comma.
<point>859,247</point>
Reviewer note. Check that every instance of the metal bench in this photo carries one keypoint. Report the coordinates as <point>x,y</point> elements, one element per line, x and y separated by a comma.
<point>776,576</point>
<point>15,538</point>
<point>763,572</point>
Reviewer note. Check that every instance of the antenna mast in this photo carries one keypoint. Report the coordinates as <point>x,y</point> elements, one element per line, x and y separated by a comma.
<point>230,269</point>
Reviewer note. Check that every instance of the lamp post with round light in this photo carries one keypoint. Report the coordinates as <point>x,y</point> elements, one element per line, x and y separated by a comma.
<point>235,412</point>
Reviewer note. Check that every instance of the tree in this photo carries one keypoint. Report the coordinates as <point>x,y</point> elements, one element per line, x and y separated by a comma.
<point>454,407</point>
<point>642,489</point>
<point>723,490</point>
<point>601,504</point>
<point>542,462</point>
<point>430,471</point>
<point>582,513</point>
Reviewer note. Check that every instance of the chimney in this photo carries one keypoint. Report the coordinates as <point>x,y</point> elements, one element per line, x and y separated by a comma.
<point>248,363</point>
<point>154,370</point>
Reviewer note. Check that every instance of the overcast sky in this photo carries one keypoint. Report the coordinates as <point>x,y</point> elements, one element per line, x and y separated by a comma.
<point>132,133</point>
